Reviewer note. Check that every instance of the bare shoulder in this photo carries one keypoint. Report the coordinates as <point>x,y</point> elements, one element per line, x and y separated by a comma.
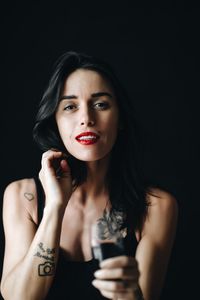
<point>162,212</point>
<point>162,200</point>
<point>20,197</point>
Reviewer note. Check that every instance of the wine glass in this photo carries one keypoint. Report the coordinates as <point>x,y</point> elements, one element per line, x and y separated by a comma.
<point>107,239</point>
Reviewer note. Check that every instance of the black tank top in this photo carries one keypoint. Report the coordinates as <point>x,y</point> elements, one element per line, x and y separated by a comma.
<point>72,280</point>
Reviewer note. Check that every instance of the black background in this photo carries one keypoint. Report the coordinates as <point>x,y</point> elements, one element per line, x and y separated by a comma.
<point>155,52</point>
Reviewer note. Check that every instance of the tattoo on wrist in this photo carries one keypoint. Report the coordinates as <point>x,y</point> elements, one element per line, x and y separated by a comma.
<point>48,254</point>
<point>29,196</point>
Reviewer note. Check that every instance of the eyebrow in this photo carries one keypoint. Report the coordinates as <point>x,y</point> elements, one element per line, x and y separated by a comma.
<point>94,95</point>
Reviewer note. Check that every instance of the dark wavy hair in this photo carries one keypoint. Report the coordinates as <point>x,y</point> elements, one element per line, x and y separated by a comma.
<point>126,189</point>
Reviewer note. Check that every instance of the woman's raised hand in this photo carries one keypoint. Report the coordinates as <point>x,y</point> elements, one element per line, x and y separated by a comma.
<point>118,278</point>
<point>55,177</point>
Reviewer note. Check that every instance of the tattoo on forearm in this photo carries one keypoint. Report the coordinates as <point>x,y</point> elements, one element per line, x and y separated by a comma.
<point>49,258</point>
<point>48,267</point>
<point>29,196</point>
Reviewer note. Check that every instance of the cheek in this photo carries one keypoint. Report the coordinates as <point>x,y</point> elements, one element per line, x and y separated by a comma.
<point>64,130</point>
<point>112,124</point>
<point>65,125</point>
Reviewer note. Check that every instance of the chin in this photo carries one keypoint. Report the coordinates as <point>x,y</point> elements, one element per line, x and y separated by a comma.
<point>88,157</point>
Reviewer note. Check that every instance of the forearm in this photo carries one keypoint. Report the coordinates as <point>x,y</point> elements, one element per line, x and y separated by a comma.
<point>33,275</point>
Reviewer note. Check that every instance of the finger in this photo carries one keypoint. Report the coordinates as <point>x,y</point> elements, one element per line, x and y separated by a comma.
<point>114,286</point>
<point>63,171</point>
<point>64,166</point>
<point>49,156</point>
<point>119,261</point>
<point>64,154</point>
<point>51,161</point>
<point>119,273</point>
<point>117,296</point>
<point>49,152</point>
<point>54,150</point>
<point>108,295</point>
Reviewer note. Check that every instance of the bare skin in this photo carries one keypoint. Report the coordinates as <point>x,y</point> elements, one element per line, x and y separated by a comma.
<point>68,212</point>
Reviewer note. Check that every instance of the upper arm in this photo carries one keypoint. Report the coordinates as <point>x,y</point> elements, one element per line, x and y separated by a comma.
<point>154,249</point>
<point>19,222</point>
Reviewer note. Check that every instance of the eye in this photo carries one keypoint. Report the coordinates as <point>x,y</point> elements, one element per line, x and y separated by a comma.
<point>70,107</point>
<point>102,105</point>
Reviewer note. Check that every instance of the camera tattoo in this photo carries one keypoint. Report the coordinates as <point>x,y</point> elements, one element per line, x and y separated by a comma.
<point>48,267</point>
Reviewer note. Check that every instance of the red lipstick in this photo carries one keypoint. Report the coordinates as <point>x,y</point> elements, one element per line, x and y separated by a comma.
<point>87,138</point>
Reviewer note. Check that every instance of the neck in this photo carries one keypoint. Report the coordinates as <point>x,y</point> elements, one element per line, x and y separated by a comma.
<point>95,185</point>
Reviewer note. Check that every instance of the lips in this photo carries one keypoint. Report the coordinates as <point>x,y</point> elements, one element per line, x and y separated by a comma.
<point>87,138</point>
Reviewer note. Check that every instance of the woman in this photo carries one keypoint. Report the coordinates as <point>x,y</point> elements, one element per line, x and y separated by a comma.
<point>88,174</point>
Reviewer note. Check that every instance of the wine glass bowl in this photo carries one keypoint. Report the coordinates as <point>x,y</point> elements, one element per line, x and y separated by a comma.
<point>106,241</point>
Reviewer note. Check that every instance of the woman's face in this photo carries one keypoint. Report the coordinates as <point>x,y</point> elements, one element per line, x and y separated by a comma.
<point>87,115</point>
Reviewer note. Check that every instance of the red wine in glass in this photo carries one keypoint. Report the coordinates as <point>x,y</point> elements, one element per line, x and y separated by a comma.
<point>108,249</point>
<point>106,246</point>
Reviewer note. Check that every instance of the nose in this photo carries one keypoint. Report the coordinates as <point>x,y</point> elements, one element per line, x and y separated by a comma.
<point>87,118</point>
